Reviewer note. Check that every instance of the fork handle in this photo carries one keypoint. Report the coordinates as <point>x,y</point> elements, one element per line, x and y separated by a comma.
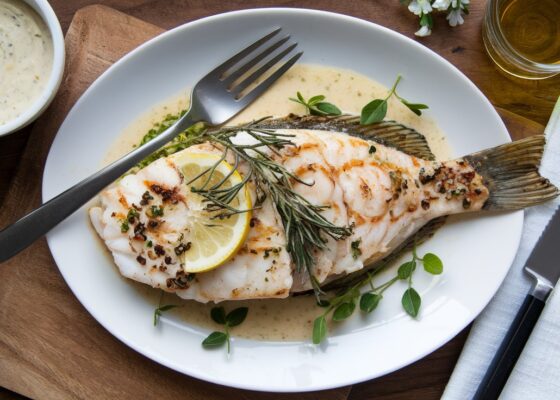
<point>31,227</point>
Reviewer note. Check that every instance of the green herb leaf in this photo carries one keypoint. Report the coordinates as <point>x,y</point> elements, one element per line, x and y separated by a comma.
<point>124,226</point>
<point>218,315</point>
<point>167,307</point>
<point>411,302</point>
<point>355,246</point>
<point>161,309</point>
<point>236,316</point>
<point>369,301</point>
<point>215,339</point>
<point>328,108</point>
<point>343,311</point>
<point>315,99</point>
<point>414,107</point>
<point>316,106</point>
<point>432,264</point>
<point>405,270</point>
<point>319,329</point>
<point>373,112</point>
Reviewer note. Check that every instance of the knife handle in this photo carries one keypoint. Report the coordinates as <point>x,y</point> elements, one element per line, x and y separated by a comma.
<point>510,349</point>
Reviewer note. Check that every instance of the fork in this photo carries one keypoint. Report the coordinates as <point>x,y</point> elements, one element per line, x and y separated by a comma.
<point>216,98</point>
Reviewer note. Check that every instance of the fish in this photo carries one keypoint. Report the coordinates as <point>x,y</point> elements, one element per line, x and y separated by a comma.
<point>382,180</point>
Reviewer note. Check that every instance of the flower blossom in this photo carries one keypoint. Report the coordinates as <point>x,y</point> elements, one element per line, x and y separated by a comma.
<point>423,31</point>
<point>418,7</point>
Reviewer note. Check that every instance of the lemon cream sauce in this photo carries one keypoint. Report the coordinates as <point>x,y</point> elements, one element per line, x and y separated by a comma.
<point>291,318</point>
<point>26,58</point>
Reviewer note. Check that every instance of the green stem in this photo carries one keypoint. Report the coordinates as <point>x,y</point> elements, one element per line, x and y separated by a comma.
<point>228,339</point>
<point>386,285</point>
<point>394,88</point>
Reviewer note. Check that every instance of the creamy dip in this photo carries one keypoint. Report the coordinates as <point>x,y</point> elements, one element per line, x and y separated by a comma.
<point>26,58</point>
<point>291,318</point>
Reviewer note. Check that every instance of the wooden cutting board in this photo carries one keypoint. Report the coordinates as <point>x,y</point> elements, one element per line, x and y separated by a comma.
<point>50,347</point>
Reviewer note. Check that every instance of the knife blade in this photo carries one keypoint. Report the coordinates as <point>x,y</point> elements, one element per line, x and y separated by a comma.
<point>544,267</point>
<point>543,263</point>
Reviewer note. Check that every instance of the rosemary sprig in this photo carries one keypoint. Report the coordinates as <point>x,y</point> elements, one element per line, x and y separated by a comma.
<point>305,227</point>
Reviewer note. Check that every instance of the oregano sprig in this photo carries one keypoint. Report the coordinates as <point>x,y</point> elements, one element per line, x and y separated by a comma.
<point>219,316</point>
<point>343,304</point>
<point>317,105</point>
<point>376,109</point>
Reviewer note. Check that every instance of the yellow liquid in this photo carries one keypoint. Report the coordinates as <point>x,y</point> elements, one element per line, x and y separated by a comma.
<point>532,27</point>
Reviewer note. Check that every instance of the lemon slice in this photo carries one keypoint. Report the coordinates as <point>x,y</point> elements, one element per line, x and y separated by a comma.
<point>212,240</point>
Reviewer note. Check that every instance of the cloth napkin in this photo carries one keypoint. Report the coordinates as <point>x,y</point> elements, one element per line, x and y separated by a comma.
<point>537,372</point>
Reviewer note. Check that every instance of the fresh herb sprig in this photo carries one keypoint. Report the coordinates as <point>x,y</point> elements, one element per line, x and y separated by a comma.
<point>306,228</point>
<point>317,105</point>
<point>229,320</point>
<point>376,109</point>
<point>160,309</point>
<point>343,304</point>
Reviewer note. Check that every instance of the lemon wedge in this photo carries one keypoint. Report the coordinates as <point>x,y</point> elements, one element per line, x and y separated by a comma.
<point>212,240</point>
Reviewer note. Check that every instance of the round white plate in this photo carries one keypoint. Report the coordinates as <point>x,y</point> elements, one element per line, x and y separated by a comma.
<point>476,261</point>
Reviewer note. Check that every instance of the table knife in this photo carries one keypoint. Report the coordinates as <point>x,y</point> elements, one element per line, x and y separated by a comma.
<point>543,266</point>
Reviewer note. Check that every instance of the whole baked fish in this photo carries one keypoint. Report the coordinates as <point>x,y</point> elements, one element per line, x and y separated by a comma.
<point>381,180</point>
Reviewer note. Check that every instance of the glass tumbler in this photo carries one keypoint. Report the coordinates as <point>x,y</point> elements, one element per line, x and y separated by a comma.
<point>523,36</point>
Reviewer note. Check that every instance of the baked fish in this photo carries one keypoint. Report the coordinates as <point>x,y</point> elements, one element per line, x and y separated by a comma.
<point>381,180</point>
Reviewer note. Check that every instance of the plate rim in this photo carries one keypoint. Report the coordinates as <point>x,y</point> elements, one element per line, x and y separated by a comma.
<point>154,355</point>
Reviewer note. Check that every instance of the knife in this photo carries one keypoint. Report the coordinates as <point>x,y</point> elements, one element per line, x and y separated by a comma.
<point>543,266</point>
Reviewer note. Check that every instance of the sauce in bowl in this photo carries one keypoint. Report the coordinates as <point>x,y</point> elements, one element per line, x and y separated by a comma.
<point>26,58</point>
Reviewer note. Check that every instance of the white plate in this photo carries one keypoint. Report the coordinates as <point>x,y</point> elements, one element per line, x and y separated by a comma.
<point>477,250</point>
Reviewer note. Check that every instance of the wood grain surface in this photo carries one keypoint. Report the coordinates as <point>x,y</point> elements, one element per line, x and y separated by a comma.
<point>50,347</point>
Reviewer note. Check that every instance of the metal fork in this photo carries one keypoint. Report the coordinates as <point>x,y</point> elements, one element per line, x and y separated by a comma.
<point>216,98</point>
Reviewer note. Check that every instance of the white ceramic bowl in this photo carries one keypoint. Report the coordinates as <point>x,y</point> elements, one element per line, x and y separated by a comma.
<point>45,11</point>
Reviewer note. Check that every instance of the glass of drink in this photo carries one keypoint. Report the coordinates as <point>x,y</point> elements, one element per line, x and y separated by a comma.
<point>523,36</point>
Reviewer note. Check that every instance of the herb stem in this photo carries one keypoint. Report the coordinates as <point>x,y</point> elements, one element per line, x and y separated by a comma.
<point>394,88</point>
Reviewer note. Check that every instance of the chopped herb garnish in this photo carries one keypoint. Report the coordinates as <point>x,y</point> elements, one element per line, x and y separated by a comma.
<point>156,211</point>
<point>132,215</point>
<point>356,251</point>
<point>124,226</point>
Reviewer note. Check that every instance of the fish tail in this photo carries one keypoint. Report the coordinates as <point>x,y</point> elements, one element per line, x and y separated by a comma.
<point>511,174</point>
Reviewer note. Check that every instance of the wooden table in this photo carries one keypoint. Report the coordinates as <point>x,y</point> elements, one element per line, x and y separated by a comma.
<point>525,106</point>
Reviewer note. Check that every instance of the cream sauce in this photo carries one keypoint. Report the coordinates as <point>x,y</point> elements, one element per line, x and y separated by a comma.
<point>292,318</point>
<point>26,58</point>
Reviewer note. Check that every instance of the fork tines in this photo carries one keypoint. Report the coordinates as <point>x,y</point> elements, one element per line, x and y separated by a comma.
<point>250,72</point>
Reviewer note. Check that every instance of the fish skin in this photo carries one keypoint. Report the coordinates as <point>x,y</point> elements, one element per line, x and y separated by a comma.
<point>385,195</point>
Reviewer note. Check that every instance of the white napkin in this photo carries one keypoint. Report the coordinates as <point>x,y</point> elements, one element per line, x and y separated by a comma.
<point>537,372</point>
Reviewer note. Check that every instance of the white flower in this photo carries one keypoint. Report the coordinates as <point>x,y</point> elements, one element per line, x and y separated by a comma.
<point>441,4</point>
<point>418,7</point>
<point>459,3</point>
<point>423,31</point>
<point>455,18</point>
